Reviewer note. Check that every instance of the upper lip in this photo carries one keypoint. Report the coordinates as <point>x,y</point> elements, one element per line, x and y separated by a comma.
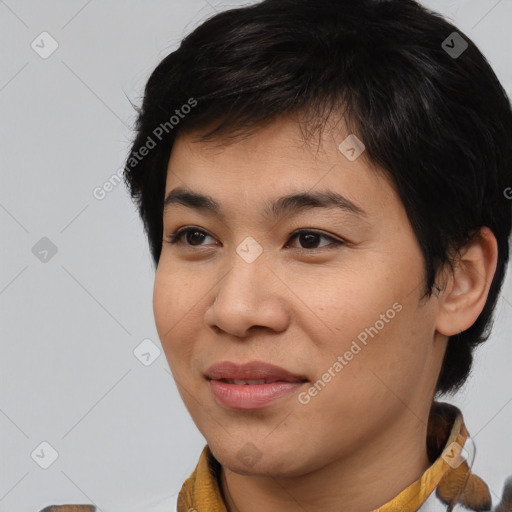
<point>253,370</point>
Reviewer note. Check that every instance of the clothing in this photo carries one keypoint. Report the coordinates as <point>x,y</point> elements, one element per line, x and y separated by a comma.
<point>448,485</point>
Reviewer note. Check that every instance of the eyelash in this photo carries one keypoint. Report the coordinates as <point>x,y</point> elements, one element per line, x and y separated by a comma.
<point>177,237</point>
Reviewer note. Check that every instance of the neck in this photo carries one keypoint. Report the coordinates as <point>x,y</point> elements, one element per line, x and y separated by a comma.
<point>361,481</point>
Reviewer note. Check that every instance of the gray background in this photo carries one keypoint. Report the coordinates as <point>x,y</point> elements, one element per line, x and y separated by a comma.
<point>69,325</point>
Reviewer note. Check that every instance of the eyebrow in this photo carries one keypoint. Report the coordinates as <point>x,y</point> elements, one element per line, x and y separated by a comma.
<point>280,207</point>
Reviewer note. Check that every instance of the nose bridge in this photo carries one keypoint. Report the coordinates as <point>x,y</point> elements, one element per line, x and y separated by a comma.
<point>246,296</point>
<point>249,271</point>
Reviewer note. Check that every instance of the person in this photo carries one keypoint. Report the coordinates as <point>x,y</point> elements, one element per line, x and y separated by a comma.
<point>323,187</point>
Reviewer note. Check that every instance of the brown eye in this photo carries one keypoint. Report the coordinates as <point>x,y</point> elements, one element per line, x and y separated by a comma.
<point>310,239</point>
<point>194,237</point>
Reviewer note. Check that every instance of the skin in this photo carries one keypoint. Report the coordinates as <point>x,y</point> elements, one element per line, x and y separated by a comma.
<point>300,308</point>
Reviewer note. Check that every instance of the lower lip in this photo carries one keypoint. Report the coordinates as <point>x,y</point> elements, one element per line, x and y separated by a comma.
<point>247,396</point>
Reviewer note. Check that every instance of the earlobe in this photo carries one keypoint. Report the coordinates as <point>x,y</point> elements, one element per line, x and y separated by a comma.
<point>466,289</point>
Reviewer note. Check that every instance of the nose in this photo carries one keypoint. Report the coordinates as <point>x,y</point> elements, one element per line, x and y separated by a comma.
<point>249,296</point>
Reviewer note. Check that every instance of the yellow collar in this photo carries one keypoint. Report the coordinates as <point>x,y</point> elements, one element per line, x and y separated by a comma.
<point>449,475</point>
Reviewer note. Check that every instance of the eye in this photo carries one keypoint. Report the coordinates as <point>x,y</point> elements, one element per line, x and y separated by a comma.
<point>307,237</point>
<point>310,238</point>
<point>193,235</point>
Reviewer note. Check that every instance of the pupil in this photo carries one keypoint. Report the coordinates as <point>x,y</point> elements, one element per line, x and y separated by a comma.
<point>190,234</point>
<point>310,238</point>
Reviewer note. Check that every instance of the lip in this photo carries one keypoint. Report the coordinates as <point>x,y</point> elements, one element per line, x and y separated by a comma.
<point>253,370</point>
<point>251,396</point>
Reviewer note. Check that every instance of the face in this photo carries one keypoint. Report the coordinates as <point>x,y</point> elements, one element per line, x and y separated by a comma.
<point>336,304</point>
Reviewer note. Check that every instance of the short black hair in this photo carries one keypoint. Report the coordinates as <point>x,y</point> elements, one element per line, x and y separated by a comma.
<point>437,123</point>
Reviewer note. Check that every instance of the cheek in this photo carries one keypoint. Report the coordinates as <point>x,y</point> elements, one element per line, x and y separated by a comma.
<point>164,303</point>
<point>370,318</point>
<point>176,291</point>
<point>171,299</point>
<point>167,310</point>
<point>179,302</point>
<point>394,355</point>
<point>339,305</point>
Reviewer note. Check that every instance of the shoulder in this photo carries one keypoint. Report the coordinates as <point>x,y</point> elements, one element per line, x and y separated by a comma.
<point>69,508</point>
<point>167,504</point>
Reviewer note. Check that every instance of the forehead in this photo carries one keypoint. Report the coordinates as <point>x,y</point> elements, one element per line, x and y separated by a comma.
<point>288,136</point>
<point>277,160</point>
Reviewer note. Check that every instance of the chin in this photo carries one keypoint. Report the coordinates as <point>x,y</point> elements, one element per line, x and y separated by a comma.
<point>267,461</point>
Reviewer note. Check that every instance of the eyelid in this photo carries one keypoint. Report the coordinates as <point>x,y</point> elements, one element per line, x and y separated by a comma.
<point>317,231</point>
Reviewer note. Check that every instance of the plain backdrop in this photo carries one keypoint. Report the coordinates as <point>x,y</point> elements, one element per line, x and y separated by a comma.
<point>85,388</point>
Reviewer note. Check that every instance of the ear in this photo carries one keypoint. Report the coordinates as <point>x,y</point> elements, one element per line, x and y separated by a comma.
<point>466,289</point>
